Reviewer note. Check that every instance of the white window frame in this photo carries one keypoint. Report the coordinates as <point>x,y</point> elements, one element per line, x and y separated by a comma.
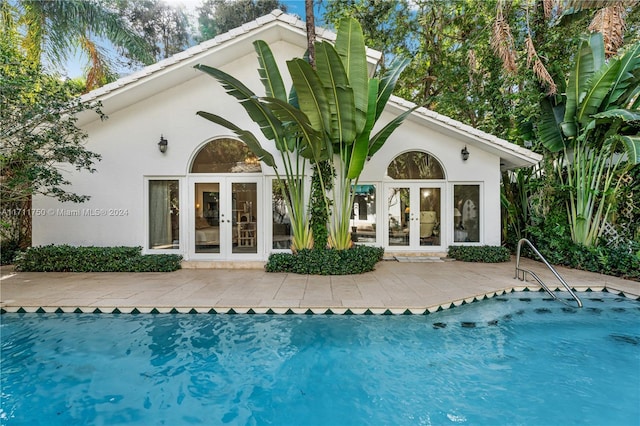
<point>481,211</point>
<point>181,202</point>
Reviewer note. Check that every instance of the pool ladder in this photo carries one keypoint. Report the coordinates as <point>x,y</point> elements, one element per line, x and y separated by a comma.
<point>551,268</point>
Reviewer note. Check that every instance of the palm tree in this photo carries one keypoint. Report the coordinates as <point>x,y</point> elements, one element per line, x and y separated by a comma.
<point>55,30</point>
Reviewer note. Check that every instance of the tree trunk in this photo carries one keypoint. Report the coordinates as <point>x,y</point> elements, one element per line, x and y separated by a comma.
<point>311,32</point>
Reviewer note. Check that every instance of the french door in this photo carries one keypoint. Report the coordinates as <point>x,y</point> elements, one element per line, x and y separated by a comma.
<point>414,212</point>
<point>225,222</point>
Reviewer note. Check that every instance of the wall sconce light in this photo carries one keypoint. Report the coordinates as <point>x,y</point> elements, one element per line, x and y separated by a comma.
<point>465,154</point>
<point>162,145</point>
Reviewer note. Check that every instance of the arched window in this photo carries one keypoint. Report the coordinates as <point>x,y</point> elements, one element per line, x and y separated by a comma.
<point>415,165</point>
<point>225,156</point>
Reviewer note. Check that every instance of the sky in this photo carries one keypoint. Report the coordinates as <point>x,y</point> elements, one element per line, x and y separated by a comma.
<point>75,66</point>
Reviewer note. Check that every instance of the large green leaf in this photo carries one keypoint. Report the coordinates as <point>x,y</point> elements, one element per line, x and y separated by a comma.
<point>351,48</point>
<point>297,125</point>
<point>246,136</point>
<point>360,150</point>
<point>388,83</point>
<point>268,123</point>
<point>378,140</point>
<point>338,93</point>
<point>626,115</point>
<point>632,148</point>
<point>629,64</point>
<point>312,99</point>
<point>581,72</point>
<point>548,125</point>
<point>599,86</point>
<point>269,72</point>
<point>634,97</point>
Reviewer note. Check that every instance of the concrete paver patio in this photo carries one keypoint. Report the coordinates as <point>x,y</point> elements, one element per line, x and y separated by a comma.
<point>394,287</point>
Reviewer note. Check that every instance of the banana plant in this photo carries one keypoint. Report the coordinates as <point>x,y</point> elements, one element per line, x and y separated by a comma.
<point>342,104</point>
<point>287,141</point>
<point>329,115</point>
<point>595,131</point>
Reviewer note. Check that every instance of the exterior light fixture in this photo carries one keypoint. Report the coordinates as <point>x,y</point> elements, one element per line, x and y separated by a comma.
<point>162,145</point>
<point>465,154</point>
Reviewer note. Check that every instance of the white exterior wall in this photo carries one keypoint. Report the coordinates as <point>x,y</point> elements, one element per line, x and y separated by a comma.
<point>481,167</point>
<point>127,141</point>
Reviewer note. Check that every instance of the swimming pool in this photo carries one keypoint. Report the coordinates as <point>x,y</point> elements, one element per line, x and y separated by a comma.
<point>514,359</point>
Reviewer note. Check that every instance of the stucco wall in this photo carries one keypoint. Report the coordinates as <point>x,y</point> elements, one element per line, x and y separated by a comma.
<point>127,141</point>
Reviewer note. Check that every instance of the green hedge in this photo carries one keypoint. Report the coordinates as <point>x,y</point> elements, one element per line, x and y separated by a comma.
<point>355,260</point>
<point>486,254</point>
<point>623,262</point>
<point>8,252</point>
<point>65,258</point>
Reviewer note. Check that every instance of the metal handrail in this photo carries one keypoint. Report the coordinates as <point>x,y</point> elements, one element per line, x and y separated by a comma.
<point>551,268</point>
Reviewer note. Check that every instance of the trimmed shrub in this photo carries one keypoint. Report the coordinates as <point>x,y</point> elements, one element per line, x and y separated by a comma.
<point>356,260</point>
<point>65,258</point>
<point>486,254</point>
<point>8,252</point>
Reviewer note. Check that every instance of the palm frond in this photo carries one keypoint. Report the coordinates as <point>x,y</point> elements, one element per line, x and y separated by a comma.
<point>628,77</point>
<point>625,115</point>
<point>584,67</point>
<point>538,67</point>
<point>360,149</point>
<point>632,148</point>
<point>610,22</point>
<point>502,42</point>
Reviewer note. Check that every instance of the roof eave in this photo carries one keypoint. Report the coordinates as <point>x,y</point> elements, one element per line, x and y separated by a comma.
<point>270,25</point>
<point>512,156</point>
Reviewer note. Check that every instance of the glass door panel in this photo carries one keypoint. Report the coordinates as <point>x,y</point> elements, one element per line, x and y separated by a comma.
<point>208,220</point>
<point>281,221</point>
<point>414,213</point>
<point>430,203</point>
<point>245,213</point>
<point>399,213</point>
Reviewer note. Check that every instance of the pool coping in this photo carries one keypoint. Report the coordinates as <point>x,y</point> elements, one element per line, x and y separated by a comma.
<point>335,310</point>
<point>394,288</point>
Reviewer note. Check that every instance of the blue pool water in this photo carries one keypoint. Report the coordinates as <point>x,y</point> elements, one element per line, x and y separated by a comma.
<point>518,359</point>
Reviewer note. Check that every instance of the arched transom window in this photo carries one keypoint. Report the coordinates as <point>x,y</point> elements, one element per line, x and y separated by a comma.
<point>225,156</point>
<point>415,165</point>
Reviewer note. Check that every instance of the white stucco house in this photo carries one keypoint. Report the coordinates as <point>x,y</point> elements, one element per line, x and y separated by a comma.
<point>435,183</point>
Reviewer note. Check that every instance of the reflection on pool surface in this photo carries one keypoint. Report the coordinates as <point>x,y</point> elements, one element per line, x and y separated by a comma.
<point>514,359</point>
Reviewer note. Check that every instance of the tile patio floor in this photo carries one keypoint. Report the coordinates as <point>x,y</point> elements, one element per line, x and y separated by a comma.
<point>395,287</point>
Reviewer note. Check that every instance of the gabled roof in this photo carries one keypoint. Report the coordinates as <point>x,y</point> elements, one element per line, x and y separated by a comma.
<point>274,27</point>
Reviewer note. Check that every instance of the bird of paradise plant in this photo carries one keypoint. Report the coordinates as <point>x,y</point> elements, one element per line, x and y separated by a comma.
<point>329,115</point>
<point>596,129</point>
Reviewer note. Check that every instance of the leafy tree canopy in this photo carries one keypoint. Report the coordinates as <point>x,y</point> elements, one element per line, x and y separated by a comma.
<point>219,16</point>
<point>38,134</point>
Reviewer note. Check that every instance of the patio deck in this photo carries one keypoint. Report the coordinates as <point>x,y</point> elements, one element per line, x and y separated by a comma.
<point>393,288</point>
